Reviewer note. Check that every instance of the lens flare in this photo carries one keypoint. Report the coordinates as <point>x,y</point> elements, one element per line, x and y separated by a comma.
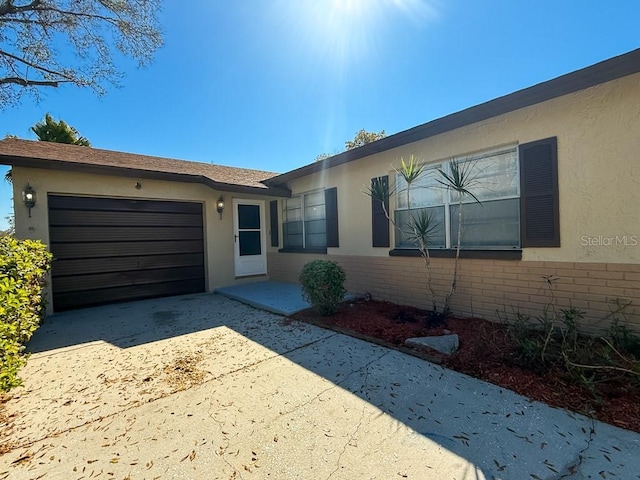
<point>342,33</point>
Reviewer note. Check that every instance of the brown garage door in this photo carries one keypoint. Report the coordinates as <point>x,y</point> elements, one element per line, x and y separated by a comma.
<point>111,250</point>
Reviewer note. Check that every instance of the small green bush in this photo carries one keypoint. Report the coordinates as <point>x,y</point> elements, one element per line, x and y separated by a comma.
<point>23,267</point>
<point>323,285</point>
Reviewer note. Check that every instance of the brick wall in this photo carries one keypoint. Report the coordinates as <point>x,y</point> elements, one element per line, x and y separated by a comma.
<point>485,286</point>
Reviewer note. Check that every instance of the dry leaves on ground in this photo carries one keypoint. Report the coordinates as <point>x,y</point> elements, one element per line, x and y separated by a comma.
<point>485,349</point>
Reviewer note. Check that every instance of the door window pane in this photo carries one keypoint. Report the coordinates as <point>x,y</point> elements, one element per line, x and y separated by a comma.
<point>249,243</point>
<point>249,217</point>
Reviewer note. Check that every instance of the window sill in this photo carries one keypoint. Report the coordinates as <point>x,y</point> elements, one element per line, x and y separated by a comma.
<point>303,250</point>
<point>515,254</point>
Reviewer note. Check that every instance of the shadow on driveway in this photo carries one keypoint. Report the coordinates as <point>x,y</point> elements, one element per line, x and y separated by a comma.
<point>502,434</point>
<point>130,324</point>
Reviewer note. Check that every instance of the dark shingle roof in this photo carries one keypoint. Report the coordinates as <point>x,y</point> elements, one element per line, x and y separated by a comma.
<point>77,158</point>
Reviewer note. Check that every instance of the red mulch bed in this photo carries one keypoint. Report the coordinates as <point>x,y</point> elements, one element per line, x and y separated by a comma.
<point>485,349</point>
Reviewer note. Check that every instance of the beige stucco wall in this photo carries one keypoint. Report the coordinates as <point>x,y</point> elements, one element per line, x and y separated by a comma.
<point>219,256</point>
<point>598,169</point>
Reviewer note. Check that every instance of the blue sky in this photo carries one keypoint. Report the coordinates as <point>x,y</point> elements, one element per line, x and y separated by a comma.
<point>272,84</point>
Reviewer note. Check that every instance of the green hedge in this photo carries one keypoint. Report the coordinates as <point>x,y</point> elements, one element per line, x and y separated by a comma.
<point>23,267</point>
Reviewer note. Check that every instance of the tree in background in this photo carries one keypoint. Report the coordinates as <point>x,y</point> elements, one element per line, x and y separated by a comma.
<point>49,130</point>
<point>322,156</point>
<point>53,42</point>
<point>361,138</point>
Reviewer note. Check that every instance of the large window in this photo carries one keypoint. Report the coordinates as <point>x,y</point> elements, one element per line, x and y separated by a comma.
<point>494,223</point>
<point>304,224</point>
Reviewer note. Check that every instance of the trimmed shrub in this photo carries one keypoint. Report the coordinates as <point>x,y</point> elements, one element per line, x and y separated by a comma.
<point>23,266</point>
<point>323,285</point>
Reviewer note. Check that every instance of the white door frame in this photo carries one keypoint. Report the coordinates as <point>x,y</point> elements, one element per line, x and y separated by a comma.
<point>247,265</point>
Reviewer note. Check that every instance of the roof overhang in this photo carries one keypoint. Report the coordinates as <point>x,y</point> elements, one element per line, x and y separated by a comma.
<point>47,164</point>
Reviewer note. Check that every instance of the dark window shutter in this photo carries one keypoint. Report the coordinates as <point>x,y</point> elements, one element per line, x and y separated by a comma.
<point>539,205</point>
<point>273,217</point>
<point>379,220</point>
<point>331,212</point>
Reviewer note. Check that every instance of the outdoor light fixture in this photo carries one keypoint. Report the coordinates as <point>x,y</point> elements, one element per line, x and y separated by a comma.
<point>220,206</point>
<point>29,198</point>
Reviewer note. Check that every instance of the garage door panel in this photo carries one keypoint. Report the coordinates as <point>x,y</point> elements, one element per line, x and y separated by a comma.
<point>86,283</point>
<point>110,250</point>
<point>96,204</point>
<point>114,234</point>
<point>72,218</point>
<point>118,249</point>
<point>66,301</point>
<point>65,267</point>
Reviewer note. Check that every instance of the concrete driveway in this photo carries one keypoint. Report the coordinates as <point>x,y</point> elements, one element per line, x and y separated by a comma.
<point>204,387</point>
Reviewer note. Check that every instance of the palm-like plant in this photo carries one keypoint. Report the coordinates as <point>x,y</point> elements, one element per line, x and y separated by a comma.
<point>420,230</point>
<point>460,178</point>
<point>420,226</point>
<point>50,130</point>
<point>410,171</point>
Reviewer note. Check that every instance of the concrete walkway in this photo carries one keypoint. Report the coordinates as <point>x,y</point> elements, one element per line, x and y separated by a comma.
<point>204,387</point>
<point>276,297</point>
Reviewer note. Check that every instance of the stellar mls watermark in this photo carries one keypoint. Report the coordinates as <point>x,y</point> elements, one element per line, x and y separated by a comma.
<point>607,241</point>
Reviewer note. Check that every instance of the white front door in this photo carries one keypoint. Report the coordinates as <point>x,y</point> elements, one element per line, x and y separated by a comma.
<point>250,244</point>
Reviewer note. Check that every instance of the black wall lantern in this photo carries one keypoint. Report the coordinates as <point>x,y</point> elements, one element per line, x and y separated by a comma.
<point>220,206</point>
<point>29,198</point>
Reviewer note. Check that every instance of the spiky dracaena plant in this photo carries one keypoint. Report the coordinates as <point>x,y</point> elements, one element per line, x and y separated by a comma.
<point>420,226</point>
<point>461,179</point>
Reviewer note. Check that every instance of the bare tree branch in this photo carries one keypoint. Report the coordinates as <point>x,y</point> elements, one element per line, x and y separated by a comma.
<point>38,67</point>
<point>7,8</point>
<point>32,83</point>
<point>93,31</point>
<point>27,21</point>
<point>111,20</point>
